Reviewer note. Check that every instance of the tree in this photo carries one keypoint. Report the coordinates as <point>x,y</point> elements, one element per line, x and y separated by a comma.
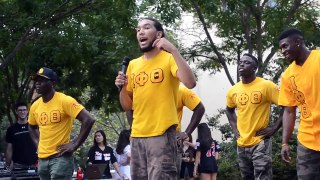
<point>84,41</point>
<point>251,26</point>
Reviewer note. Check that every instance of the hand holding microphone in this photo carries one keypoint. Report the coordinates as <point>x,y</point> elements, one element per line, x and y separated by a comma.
<point>121,79</point>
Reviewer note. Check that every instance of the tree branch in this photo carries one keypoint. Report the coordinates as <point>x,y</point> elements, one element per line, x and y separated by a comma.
<point>33,30</point>
<point>214,48</point>
<point>290,16</point>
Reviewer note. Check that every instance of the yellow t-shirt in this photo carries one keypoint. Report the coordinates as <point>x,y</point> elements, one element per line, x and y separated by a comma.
<point>55,119</point>
<point>300,86</point>
<point>188,98</point>
<point>253,102</point>
<point>154,84</point>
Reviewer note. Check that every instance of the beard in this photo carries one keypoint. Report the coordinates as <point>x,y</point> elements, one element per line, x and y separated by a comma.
<point>149,47</point>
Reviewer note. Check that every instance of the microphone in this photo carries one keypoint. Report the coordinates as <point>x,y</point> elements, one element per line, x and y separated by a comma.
<point>125,63</point>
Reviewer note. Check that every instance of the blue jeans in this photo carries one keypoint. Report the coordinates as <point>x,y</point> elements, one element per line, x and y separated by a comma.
<point>59,168</point>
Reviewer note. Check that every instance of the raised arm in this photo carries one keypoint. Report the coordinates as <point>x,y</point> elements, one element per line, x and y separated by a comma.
<point>288,122</point>
<point>184,72</point>
<point>232,117</point>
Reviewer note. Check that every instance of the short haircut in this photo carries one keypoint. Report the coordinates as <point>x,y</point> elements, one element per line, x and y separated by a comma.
<point>20,103</point>
<point>290,32</point>
<point>252,57</point>
<point>157,24</point>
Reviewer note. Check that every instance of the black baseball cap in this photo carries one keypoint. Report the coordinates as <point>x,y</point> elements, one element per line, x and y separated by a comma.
<point>46,73</point>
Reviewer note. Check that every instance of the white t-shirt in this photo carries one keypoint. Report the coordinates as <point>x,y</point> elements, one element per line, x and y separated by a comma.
<point>124,163</point>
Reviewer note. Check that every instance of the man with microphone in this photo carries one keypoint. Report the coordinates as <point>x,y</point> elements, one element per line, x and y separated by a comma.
<point>150,89</point>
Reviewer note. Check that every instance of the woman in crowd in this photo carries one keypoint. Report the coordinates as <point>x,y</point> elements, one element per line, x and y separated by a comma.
<point>206,154</point>
<point>188,157</point>
<point>123,153</point>
<point>100,153</point>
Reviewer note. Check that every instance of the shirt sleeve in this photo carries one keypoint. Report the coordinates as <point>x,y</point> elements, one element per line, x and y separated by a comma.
<point>112,156</point>
<point>9,136</point>
<point>286,96</point>
<point>173,66</point>
<point>190,99</point>
<point>71,106</point>
<point>273,93</point>
<point>217,146</point>
<point>231,99</point>
<point>90,157</point>
<point>198,147</point>
<point>32,119</point>
<point>127,150</point>
<point>130,80</point>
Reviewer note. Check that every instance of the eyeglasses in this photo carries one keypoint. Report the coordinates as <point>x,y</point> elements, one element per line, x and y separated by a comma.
<point>21,110</point>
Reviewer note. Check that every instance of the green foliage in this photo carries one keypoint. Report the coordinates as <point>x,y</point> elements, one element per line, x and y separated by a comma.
<point>84,41</point>
<point>228,164</point>
<point>248,26</point>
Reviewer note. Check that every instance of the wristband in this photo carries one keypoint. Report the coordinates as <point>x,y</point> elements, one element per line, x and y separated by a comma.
<point>284,144</point>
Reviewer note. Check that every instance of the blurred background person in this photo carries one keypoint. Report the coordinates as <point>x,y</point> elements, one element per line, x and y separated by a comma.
<point>188,157</point>
<point>206,155</point>
<point>100,153</point>
<point>21,151</point>
<point>123,154</point>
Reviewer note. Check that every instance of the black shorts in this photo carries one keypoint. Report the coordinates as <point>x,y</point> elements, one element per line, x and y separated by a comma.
<point>208,169</point>
<point>186,168</point>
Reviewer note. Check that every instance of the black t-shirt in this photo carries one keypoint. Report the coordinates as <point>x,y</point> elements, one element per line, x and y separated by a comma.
<point>24,150</point>
<point>207,160</point>
<point>97,156</point>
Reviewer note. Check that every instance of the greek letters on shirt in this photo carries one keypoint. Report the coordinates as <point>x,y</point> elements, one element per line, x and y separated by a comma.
<point>44,117</point>
<point>156,76</point>
<point>299,96</point>
<point>98,156</point>
<point>254,97</point>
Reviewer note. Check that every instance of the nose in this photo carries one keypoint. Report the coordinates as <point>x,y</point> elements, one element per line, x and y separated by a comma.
<point>283,50</point>
<point>141,31</point>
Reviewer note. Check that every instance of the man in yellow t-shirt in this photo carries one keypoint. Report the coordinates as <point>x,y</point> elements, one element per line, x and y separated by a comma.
<point>252,97</point>
<point>53,113</point>
<point>187,98</point>
<point>300,85</point>
<point>150,89</point>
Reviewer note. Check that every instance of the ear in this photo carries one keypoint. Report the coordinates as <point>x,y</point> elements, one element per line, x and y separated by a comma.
<point>297,41</point>
<point>159,34</point>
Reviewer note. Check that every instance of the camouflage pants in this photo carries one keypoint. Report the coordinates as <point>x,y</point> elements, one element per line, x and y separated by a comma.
<point>154,158</point>
<point>308,163</point>
<point>256,162</point>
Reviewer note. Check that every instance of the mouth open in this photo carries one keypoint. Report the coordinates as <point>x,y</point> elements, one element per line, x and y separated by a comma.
<point>143,40</point>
